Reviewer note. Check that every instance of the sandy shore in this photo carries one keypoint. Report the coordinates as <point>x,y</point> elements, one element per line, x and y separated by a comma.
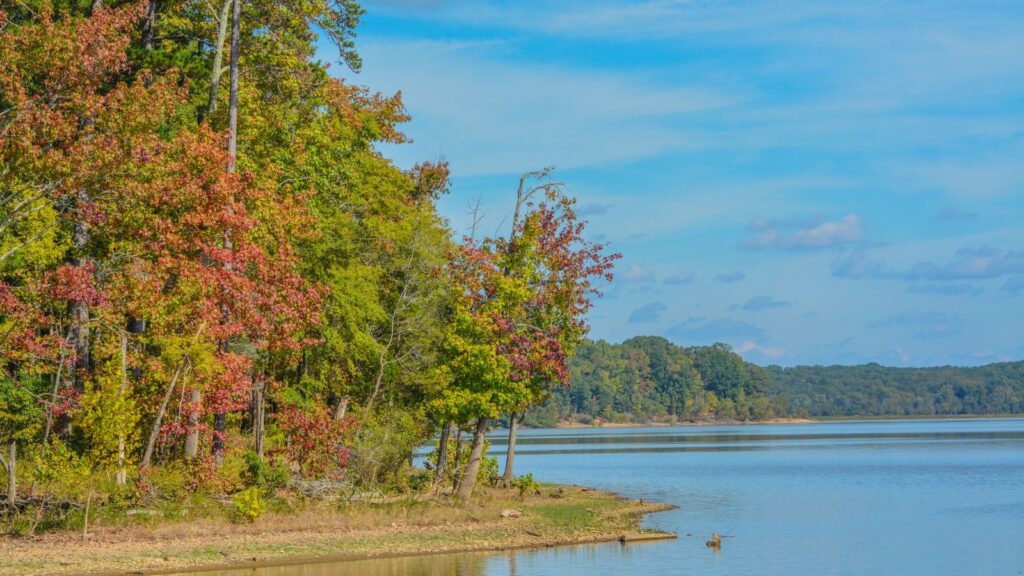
<point>559,515</point>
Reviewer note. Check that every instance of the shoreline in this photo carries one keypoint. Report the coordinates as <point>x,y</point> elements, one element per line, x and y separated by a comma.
<point>559,515</point>
<point>770,421</point>
<point>637,538</point>
<point>775,421</point>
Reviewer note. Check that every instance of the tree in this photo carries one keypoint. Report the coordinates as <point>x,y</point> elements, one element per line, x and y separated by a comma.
<point>556,269</point>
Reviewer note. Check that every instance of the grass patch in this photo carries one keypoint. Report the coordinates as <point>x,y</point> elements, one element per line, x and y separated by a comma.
<point>304,529</point>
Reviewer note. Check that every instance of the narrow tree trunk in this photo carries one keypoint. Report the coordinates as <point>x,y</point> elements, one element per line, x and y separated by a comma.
<point>220,428</point>
<point>510,456</point>
<point>473,466</point>
<point>80,310</point>
<point>376,384</point>
<point>88,504</point>
<point>341,409</point>
<point>236,36</point>
<point>149,25</point>
<point>147,456</point>
<point>192,438</point>
<point>442,454</point>
<point>12,474</point>
<point>456,473</point>
<point>258,415</point>
<point>218,57</point>
<point>122,473</point>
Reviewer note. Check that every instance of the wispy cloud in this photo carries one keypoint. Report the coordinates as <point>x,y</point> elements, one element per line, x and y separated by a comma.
<point>731,277</point>
<point>526,115</point>
<point>759,303</point>
<point>973,263</point>
<point>798,234</point>
<point>594,209</point>
<point>680,278</point>
<point>700,331</point>
<point>929,325</point>
<point>1014,285</point>
<point>647,313</point>
<point>637,274</point>
<point>857,264</point>
<point>955,214</point>
<point>946,289</point>
<point>980,262</point>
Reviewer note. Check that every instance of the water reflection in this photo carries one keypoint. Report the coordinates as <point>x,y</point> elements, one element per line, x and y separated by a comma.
<point>505,563</point>
<point>430,565</point>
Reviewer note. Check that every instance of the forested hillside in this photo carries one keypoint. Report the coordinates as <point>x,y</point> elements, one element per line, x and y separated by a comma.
<point>650,379</point>
<point>874,390</point>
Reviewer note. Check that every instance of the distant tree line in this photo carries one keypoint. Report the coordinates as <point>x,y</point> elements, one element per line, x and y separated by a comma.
<point>649,379</point>
<point>874,390</point>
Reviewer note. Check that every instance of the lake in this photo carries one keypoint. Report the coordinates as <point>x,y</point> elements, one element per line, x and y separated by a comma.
<point>919,497</point>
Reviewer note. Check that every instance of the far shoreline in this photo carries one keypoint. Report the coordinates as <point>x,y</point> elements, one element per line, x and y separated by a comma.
<point>569,425</point>
<point>658,424</point>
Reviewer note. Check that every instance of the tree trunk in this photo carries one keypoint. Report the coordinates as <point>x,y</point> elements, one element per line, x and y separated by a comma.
<point>341,408</point>
<point>218,57</point>
<point>236,35</point>
<point>258,415</point>
<point>510,456</point>
<point>192,439</point>
<point>220,427</point>
<point>473,466</point>
<point>122,473</point>
<point>456,473</point>
<point>442,454</point>
<point>149,25</point>
<point>12,474</point>
<point>155,432</point>
<point>80,310</point>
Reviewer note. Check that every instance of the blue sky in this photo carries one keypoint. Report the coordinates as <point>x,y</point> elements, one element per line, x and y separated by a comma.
<point>809,182</point>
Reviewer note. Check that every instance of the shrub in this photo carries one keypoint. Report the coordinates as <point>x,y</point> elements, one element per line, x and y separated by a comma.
<point>262,474</point>
<point>315,440</point>
<point>249,504</point>
<point>526,484</point>
<point>382,449</point>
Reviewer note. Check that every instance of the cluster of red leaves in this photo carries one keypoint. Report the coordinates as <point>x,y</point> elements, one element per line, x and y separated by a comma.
<point>315,440</point>
<point>25,338</point>
<point>74,284</point>
<point>66,403</point>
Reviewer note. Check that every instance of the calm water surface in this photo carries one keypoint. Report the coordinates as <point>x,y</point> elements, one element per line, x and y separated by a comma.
<point>845,498</point>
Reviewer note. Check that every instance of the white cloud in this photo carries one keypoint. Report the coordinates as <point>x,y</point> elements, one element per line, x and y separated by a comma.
<point>768,352</point>
<point>783,234</point>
